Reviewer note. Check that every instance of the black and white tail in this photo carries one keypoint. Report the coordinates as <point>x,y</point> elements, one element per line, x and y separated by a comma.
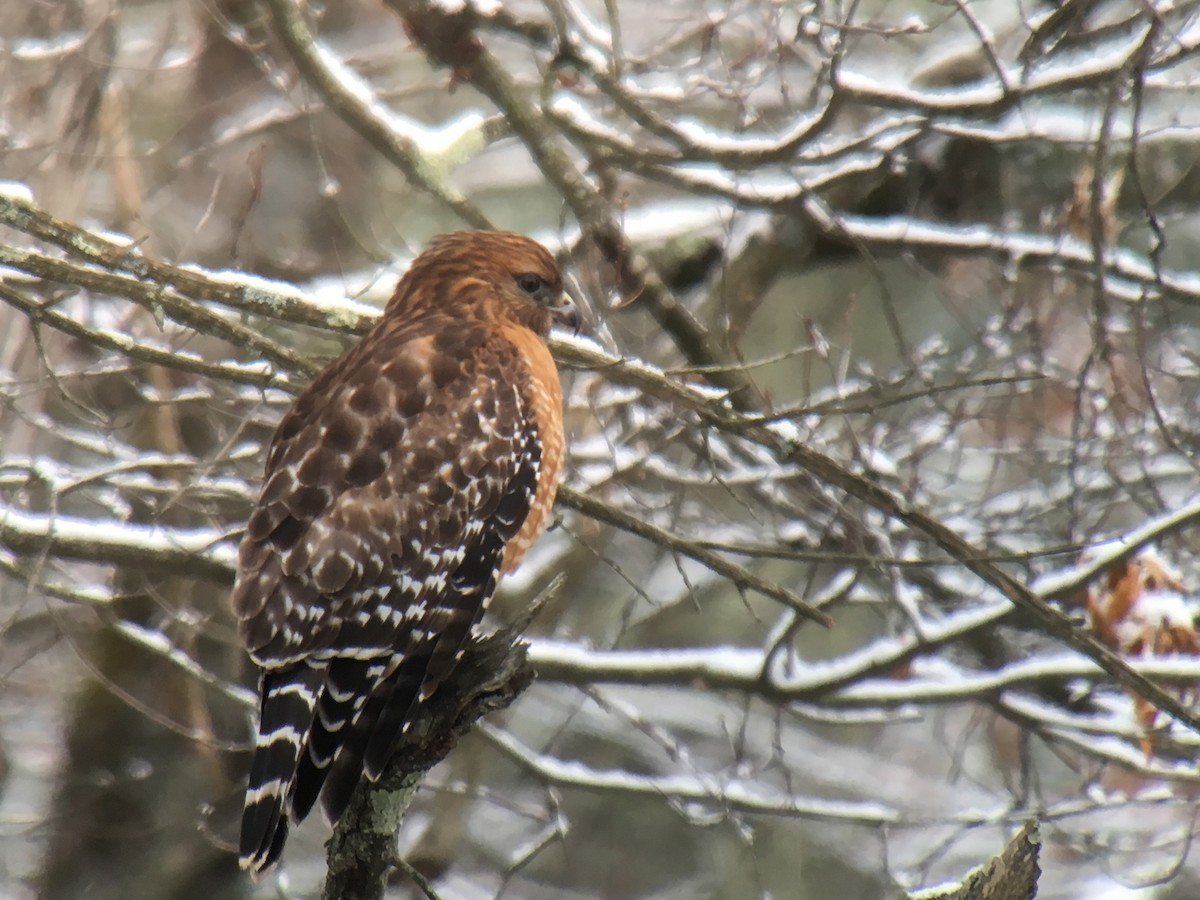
<point>288,698</point>
<point>313,713</point>
<point>349,683</point>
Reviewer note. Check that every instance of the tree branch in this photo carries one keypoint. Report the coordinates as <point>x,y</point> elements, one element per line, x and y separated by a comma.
<point>352,100</point>
<point>200,552</point>
<point>1013,875</point>
<point>492,673</point>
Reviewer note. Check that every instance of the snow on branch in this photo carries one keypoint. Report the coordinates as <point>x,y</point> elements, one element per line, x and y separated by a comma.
<point>201,552</point>
<point>422,155</point>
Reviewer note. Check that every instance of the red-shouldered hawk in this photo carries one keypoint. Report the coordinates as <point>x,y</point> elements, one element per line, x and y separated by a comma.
<point>414,471</point>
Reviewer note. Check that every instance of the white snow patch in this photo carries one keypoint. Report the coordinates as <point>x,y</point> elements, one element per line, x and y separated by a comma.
<point>29,49</point>
<point>16,190</point>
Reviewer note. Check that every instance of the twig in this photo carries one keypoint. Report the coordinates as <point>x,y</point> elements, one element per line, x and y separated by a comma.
<point>741,577</point>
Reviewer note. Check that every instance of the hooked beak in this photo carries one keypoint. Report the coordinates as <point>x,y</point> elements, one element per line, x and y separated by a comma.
<point>565,312</point>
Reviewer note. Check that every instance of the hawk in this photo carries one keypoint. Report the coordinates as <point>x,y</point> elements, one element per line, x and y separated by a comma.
<point>416,469</point>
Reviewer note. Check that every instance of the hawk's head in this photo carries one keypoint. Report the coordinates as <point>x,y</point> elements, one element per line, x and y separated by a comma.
<point>497,275</point>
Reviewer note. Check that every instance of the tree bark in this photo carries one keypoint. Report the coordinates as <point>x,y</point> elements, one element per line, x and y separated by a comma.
<point>1013,875</point>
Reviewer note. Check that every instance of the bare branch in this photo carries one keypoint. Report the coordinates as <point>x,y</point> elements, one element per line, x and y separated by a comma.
<point>423,158</point>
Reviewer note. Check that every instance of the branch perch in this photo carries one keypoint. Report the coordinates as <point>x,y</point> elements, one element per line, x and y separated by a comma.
<point>362,851</point>
<point>1013,875</point>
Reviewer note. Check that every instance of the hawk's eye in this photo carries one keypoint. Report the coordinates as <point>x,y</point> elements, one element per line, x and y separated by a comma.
<point>530,283</point>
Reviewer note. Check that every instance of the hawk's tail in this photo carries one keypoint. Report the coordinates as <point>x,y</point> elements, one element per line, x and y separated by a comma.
<point>289,697</point>
<point>348,685</point>
<point>388,707</point>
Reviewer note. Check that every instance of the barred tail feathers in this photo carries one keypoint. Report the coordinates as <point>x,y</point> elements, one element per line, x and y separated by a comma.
<point>388,708</point>
<point>349,682</point>
<point>289,697</point>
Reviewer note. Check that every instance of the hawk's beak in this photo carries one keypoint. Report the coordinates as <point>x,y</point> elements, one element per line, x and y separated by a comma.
<point>566,312</point>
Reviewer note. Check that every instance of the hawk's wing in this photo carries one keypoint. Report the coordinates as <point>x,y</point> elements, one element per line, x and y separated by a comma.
<point>378,480</point>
